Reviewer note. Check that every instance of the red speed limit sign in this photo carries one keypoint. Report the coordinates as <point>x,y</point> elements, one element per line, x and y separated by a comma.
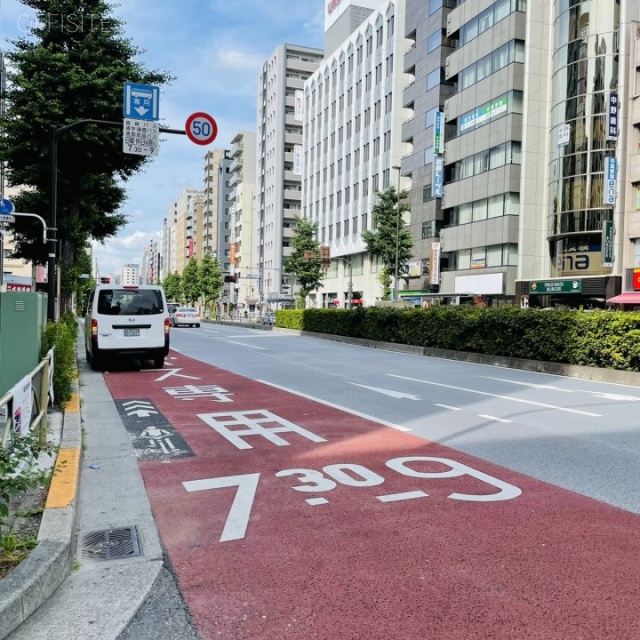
<point>201,128</point>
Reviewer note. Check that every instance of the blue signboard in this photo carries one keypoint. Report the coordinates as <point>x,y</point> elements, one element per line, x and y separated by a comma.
<point>141,101</point>
<point>612,117</point>
<point>610,178</point>
<point>6,207</point>
<point>438,177</point>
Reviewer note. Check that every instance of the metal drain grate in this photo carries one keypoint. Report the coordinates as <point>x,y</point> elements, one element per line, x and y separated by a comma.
<point>112,544</point>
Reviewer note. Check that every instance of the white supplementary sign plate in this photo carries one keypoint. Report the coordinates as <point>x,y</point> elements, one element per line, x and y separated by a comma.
<point>140,137</point>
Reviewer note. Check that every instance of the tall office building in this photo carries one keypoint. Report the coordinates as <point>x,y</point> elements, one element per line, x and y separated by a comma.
<point>353,118</point>
<point>278,162</point>
<point>425,133</point>
<point>480,183</point>
<point>580,231</point>
<point>130,275</point>
<point>185,214</point>
<point>527,190</point>
<point>243,246</point>
<point>216,227</point>
<point>168,243</point>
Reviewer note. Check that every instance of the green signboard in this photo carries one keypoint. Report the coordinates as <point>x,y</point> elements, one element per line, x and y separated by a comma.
<point>607,243</point>
<point>543,287</point>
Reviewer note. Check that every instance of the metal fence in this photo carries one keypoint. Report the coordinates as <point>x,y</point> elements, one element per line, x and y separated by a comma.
<point>38,397</point>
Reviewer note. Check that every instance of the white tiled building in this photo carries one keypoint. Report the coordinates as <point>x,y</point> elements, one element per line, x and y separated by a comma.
<point>352,138</point>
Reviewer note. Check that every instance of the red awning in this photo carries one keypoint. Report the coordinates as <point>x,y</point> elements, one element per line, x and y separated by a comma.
<point>628,297</point>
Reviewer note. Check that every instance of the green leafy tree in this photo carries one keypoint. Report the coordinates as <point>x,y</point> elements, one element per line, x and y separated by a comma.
<point>308,272</point>
<point>390,237</point>
<point>172,286</point>
<point>191,281</point>
<point>71,67</point>
<point>211,279</point>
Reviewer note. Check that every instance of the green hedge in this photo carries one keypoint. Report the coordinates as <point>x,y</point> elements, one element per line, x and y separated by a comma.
<point>605,339</point>
<point>62,335</point>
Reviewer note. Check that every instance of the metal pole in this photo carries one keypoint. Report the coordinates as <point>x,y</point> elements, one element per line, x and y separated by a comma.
<point>51,231</point>
<point>349,261</point>
<point>396,288</point>
<point>53,197</point>
<point>2,87</point>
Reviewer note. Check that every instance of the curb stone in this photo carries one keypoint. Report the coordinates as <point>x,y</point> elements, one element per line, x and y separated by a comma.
<point>32,582</point>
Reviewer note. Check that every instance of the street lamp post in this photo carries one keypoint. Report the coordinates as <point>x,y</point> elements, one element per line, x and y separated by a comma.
<point>348,262</point>
<point>395,282</point>
<point>55,133</point>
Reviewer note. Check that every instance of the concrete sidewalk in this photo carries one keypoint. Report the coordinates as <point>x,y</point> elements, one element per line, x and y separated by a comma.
<point>101,595</point>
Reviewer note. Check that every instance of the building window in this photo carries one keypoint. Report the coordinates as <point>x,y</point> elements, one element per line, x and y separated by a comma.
<point>433,41</point>
<point>433,79</point>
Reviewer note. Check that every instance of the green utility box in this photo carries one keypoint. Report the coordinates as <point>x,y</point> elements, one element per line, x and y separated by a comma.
<point>23,317</point>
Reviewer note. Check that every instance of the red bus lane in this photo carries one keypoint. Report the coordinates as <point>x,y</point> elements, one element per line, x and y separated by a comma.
<point>286,518</point>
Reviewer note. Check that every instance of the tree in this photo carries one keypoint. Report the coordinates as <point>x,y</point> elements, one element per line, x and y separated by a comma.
<point>308,272</point>
<point>172,286</point>
<point>211,279</point>
<point>390,233</point>
<point>71,67</point>
<point>191,281</point>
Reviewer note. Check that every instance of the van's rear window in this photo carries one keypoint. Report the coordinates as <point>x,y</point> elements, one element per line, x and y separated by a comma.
<point>128,302</point>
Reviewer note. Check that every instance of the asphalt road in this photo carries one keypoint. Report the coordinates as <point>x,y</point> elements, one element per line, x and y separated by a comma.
<point>576,434</point>
<point>313,489</point>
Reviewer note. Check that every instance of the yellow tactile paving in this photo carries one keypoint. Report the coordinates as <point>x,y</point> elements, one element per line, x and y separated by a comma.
<point>73,406</point>
<point>64,482</point>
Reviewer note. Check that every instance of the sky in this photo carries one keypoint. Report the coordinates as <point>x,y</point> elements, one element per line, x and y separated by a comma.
<point>215,50</point>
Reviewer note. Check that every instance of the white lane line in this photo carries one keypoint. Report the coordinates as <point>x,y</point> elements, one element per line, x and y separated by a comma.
<point>407,495</point>
<point>388,392</point>
<point>484,415</point>
<point>495,395</point>
<point>315,501</point>
<point>353,412</point>
<point>448,406</point>
<point>532,385</point>
<point>252,346</point>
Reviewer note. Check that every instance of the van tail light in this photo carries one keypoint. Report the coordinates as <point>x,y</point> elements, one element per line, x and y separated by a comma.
<point>167,326</point>
<point>94,328</point>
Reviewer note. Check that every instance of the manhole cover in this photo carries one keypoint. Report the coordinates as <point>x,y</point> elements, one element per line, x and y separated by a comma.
<point>112,544</point>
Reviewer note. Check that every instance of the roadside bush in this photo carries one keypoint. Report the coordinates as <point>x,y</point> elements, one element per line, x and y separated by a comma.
<point>289,318</point>
<point>608,340</point>
<point>61,336</point>
<point>605,339</point>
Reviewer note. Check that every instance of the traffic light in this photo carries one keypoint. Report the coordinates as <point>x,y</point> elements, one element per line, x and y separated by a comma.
<point>230,278</point>
<point>105,280</point>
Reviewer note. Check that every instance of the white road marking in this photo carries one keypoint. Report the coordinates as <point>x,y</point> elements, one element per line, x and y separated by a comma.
<point>174,349</point>
<point>533,385</point>
<point>495,395</point>
<point>598,394</point>
<point>407,495</point>
<point>447,406</point>
<point>314,501</point>
<point>391,425</point>
<point>484,415</point>
<point>611,396</point>
<point>252,346</point>
<point>387,392</point>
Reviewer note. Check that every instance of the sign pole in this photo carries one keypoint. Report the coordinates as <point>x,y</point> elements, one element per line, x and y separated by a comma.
<point>53,197</point>
<point>51,231</point>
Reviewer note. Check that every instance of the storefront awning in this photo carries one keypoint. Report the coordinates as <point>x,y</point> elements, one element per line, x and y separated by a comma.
<point>628,297</point>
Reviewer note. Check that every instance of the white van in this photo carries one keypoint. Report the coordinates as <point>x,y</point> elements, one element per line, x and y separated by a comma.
<point>126,322</point>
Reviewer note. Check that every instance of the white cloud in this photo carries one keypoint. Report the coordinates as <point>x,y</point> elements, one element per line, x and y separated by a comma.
<point>121,250</point>
<point>215,49</point>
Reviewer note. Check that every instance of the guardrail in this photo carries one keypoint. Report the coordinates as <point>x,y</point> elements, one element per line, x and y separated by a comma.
<point>39,398</point>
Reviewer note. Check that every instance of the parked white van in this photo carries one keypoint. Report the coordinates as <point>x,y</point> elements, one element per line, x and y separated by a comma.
<point>126,322</point>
